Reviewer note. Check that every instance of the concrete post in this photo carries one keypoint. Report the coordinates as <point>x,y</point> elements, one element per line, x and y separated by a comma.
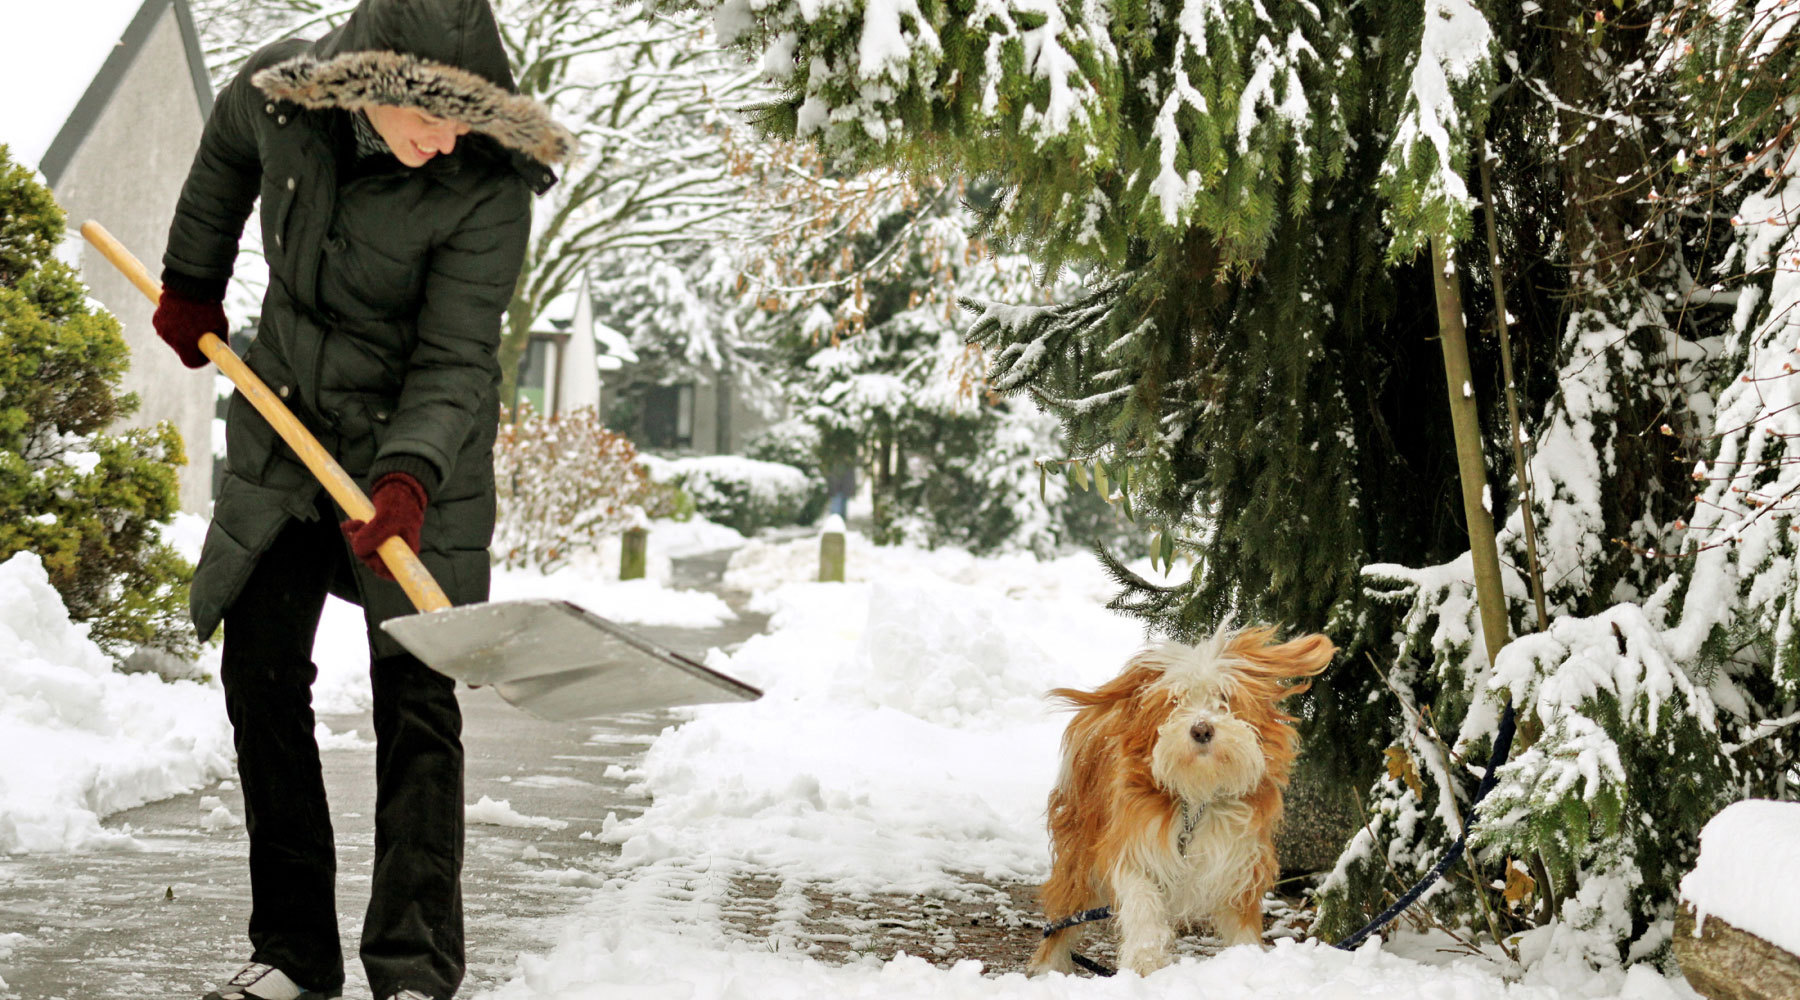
<point>831,550</point>
<point>633,553</point>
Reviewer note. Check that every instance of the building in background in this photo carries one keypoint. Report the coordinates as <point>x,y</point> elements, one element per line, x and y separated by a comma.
<point>107,99</point>
<point>560,370</point>
<point>702,411</point>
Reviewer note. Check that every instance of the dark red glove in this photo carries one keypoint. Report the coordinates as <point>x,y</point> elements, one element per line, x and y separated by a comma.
<point>399,510</point>
<point>180,321</point>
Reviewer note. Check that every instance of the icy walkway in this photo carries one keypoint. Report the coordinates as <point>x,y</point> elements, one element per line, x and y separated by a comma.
<point>167,920</point>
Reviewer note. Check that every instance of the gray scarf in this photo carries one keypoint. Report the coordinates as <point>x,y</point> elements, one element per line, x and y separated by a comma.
<point>368,141</point>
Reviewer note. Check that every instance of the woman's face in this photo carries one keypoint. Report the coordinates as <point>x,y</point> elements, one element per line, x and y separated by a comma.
<point>414,136</point>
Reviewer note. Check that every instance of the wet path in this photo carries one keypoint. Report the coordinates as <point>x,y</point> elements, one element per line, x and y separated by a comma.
<point>168,920</point>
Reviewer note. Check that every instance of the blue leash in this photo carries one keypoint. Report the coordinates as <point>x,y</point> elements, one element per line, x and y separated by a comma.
<point>1503,738</point>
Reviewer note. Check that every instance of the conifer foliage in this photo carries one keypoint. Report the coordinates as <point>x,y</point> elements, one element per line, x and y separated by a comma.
<point>86,500</point>
<point>1243,188</point>
<point>1241,360</point>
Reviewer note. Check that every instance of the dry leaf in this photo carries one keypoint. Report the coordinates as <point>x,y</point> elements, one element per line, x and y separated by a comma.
<point>1400,765</point>
<point>1519,884</point>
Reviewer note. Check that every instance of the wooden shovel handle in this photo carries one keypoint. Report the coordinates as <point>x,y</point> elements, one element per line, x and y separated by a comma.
<point>408,571</point>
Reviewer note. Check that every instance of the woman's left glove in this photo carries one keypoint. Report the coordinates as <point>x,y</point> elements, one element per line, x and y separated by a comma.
<point>399,501</point>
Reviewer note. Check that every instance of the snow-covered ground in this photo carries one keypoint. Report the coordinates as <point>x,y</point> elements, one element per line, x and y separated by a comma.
<point>78,740</point>
<point>903,745</point>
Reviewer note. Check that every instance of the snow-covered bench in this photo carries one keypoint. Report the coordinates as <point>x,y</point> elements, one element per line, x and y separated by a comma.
<point>1738,931</point>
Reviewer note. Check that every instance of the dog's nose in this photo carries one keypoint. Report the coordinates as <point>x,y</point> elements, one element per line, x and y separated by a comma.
<point>1202,732</point>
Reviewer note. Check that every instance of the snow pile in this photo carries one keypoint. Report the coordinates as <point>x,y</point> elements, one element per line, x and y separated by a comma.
<point>98,741</point>
<point>856,768</point>
<point>1748,874</point>
<point>499,812</point>
<point>763,565</point>
<point>217,816</point>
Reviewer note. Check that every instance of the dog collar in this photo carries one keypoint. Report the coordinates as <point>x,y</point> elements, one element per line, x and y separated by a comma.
<point>1190,818</point>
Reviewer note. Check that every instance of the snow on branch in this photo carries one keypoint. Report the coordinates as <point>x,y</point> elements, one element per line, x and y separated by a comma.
<point>1442,108</point>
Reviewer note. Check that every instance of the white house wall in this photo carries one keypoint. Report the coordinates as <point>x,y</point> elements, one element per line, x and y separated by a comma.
<point>127,174</point>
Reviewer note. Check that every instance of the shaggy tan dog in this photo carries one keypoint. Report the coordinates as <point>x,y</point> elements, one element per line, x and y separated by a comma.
<point>1170,790</point>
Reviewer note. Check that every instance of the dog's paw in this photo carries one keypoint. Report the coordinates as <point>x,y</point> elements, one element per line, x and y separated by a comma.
<point>1061,963</point>
<point>1143,960</point>
<point>1054,954</point>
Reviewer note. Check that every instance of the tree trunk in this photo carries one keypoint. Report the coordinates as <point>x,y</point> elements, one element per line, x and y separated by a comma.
<point>1725,963</point>
<point>515,336</point>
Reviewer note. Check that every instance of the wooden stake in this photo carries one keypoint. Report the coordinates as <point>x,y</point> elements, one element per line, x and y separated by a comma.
<point>1466,425</point>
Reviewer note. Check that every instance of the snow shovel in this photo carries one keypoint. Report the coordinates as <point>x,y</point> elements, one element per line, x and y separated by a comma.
<point>550,658</point>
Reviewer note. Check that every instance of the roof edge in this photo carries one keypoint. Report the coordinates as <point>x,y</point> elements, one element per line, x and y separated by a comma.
<point>93,101</point>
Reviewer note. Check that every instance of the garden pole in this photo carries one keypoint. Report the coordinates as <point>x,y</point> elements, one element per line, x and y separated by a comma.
<point>1465,423</point>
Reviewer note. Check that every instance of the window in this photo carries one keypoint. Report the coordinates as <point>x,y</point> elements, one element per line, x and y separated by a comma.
<point>534,374</point>
<point>669,416</point>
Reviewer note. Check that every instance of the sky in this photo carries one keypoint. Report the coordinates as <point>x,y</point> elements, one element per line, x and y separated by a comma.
<point>54,75</point>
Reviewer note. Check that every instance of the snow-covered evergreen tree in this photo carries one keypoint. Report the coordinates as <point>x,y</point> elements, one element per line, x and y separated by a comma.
<point>1647,701</point>
<point>1241,357</point>
<point>86,499</point>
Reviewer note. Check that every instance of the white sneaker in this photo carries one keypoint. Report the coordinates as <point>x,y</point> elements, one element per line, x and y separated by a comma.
<point>258,981</point>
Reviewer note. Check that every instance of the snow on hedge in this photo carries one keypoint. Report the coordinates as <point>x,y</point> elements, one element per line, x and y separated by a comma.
<point>97,741</point>
<point>1748,874</point>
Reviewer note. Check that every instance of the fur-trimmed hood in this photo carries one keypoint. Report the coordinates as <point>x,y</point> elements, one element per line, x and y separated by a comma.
<point>443,57</point>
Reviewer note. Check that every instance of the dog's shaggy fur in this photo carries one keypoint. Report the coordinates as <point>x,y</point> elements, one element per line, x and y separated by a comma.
<point>1170,792</point>
<point>356,80</point>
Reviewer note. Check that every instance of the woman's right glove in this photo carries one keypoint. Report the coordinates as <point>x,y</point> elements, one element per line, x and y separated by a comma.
<point>399,501</point>
<point>180,320</point>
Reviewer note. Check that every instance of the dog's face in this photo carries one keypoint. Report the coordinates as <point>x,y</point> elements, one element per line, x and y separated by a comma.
<point>1219,725</point>
<point>1208,746</point>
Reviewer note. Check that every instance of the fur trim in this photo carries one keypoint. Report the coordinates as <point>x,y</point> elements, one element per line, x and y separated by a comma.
<point>355,80</point>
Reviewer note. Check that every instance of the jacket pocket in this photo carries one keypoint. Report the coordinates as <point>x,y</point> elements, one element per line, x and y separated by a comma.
<point>279,193</point>
<point>249,440</point>
<point>363,419</point>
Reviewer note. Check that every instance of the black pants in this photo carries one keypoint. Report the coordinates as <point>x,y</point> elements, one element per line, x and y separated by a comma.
<point>413,931</point>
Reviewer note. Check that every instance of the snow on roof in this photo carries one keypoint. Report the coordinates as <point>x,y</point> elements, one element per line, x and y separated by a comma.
<point>616,347</point>
<point>52,51</point>
<point>557,314</point>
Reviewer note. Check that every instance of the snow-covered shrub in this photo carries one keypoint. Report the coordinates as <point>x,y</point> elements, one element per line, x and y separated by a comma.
<point>747,494</point>
<point>792,442</point>
<point>564,482</point>
<point>1666,682</point>
<point>87,501</point>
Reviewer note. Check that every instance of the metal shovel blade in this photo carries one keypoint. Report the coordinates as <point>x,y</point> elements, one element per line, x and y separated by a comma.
<point>559,661</point>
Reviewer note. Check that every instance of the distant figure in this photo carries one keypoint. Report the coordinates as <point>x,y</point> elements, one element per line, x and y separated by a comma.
<point>840,480</point>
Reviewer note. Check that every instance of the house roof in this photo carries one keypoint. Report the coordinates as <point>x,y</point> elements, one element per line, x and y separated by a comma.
<point>69,57</point>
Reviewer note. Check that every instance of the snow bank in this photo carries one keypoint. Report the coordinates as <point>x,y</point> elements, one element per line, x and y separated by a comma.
<point>903,739</point>
<point>96,741</point>
<point>618,960</point>
<point>1749,871</point>
<point>762,565</point>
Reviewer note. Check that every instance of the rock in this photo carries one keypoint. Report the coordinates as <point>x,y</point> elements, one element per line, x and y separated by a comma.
<point>1725,963</point>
